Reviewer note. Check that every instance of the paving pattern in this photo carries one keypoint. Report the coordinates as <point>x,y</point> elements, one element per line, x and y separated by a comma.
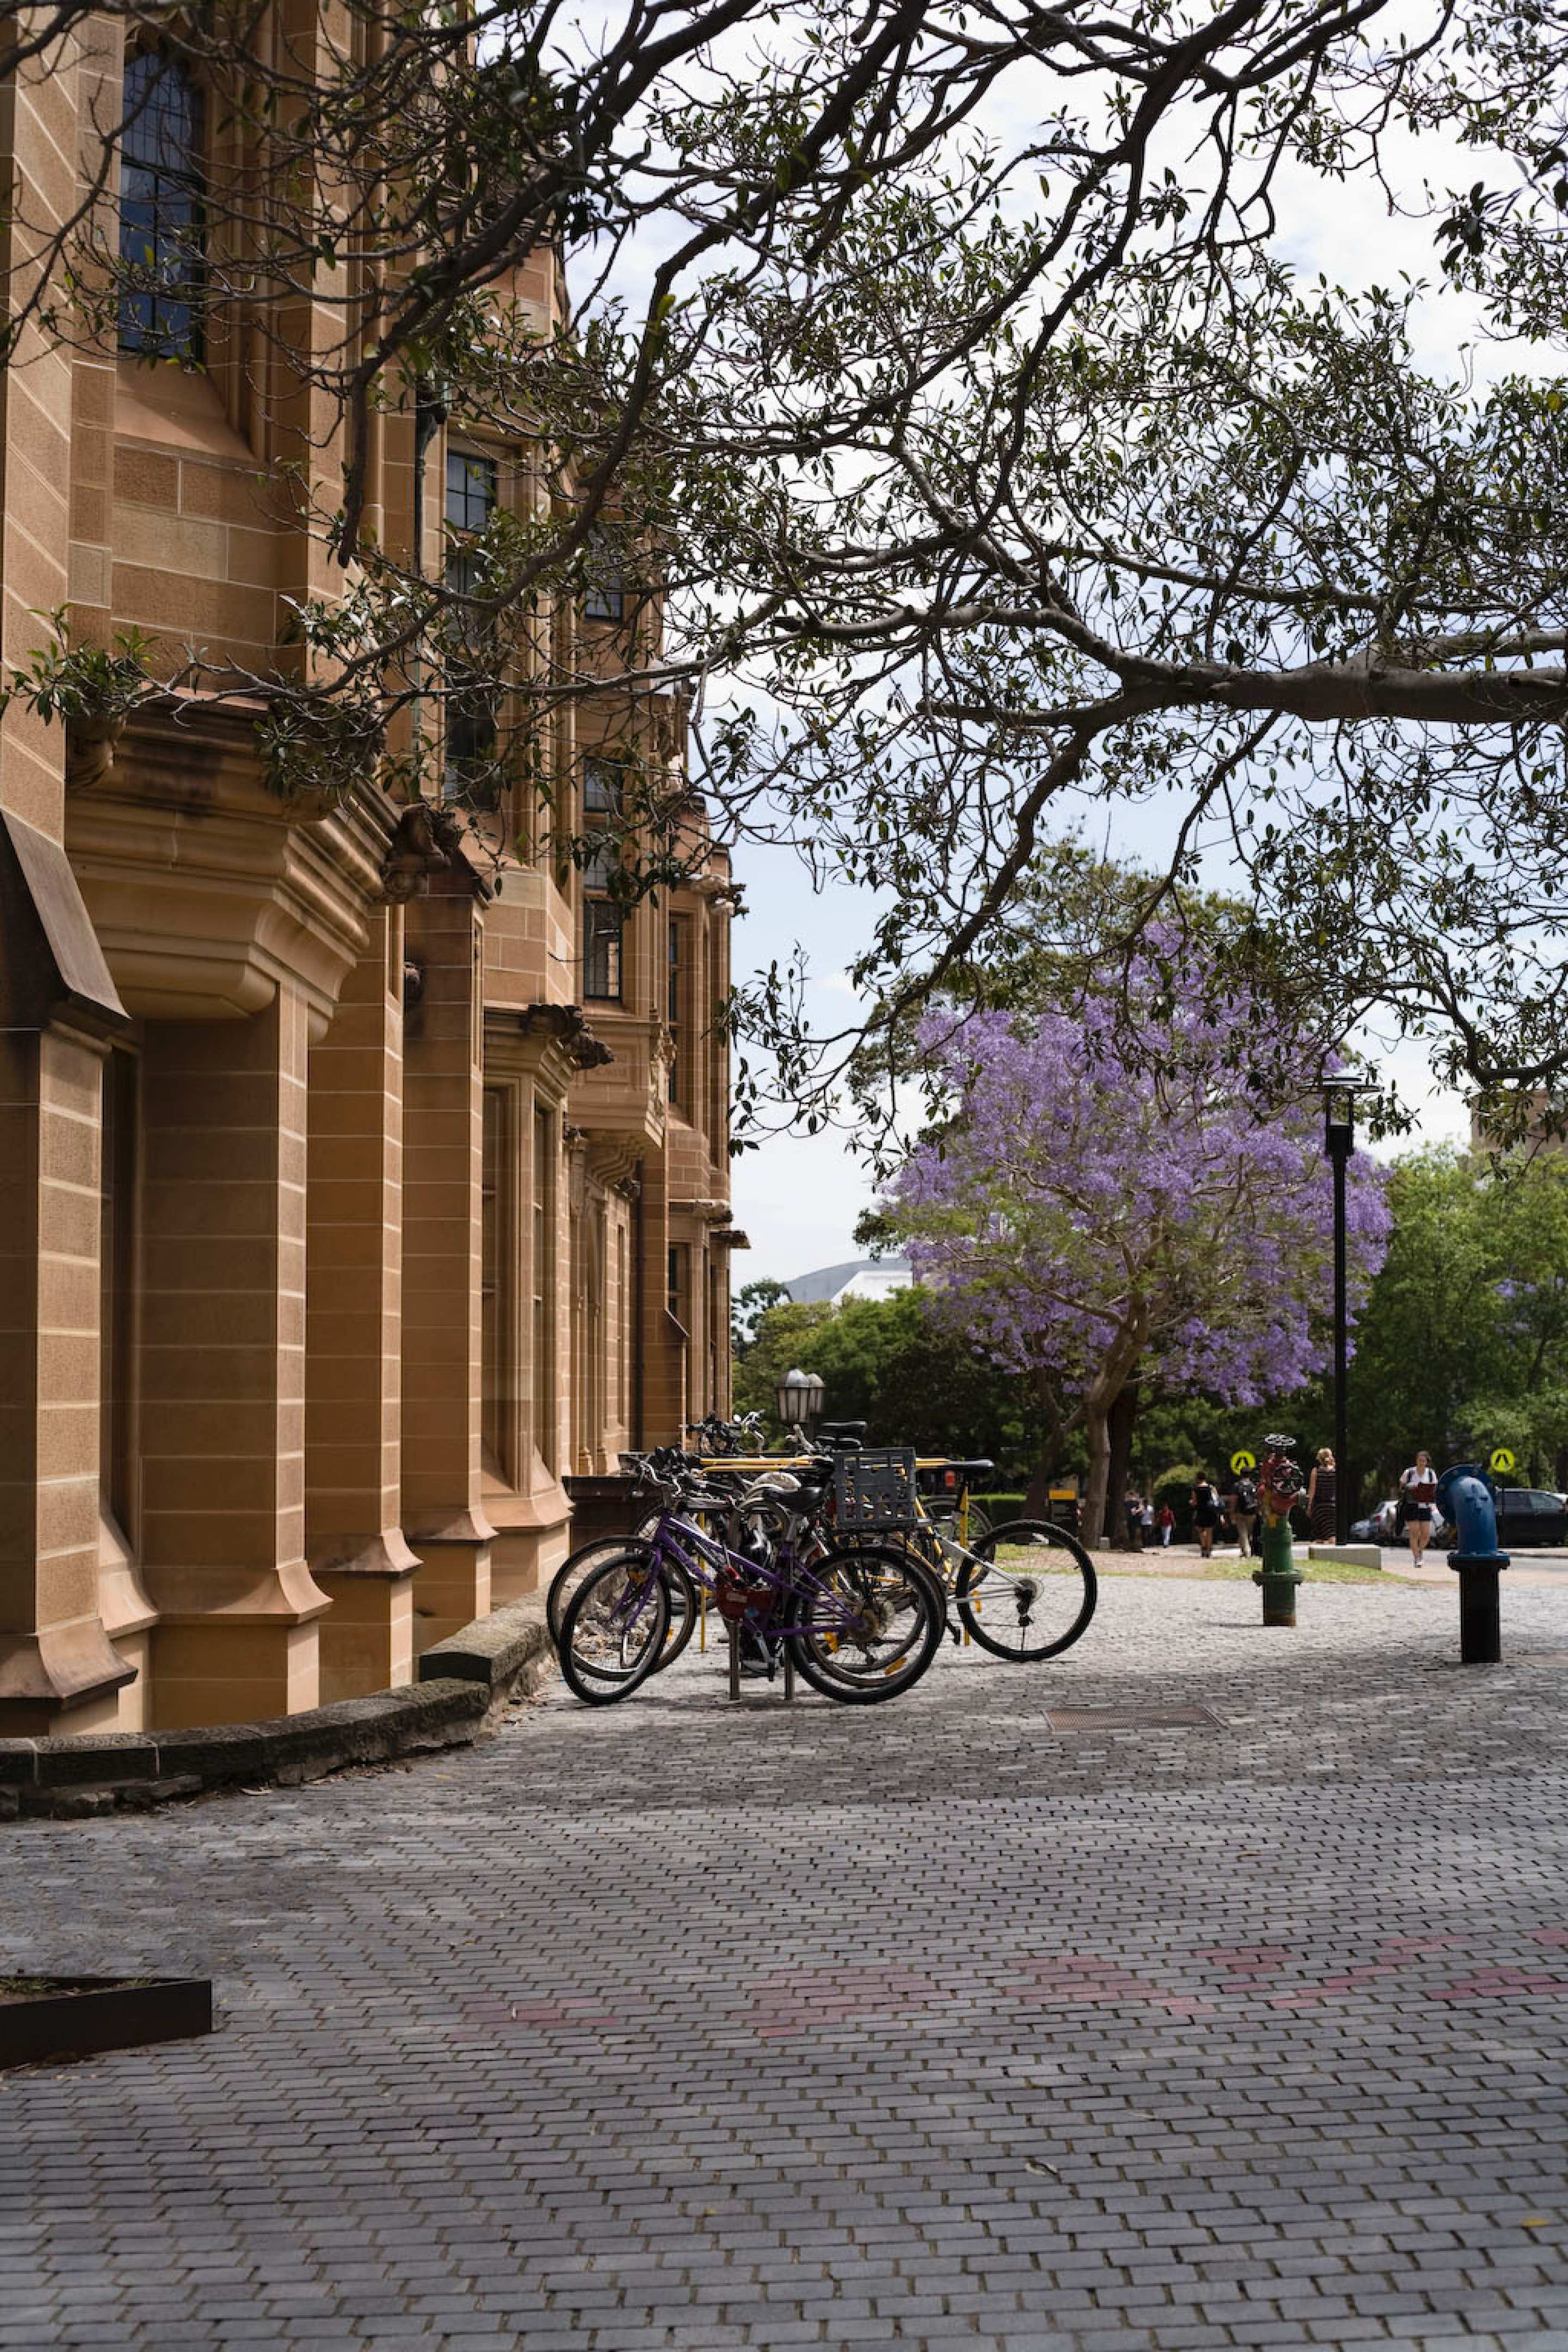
<point>682,2025</point>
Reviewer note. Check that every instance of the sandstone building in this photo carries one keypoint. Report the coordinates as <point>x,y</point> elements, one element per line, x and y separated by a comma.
<point>363,1179</point>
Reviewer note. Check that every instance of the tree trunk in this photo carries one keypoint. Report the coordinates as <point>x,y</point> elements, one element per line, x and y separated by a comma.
<point>1123,1415</point>
<point>1097,1429</point>
<point>1115,1374</point>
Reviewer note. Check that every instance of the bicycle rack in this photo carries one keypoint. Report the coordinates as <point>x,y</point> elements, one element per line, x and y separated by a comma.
<point>734,1632</point>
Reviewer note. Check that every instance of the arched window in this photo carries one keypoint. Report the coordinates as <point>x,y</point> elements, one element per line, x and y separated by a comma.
<point>161,223</point>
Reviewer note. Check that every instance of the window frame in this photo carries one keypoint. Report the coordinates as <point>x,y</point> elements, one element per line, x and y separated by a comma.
<point>604,915</point>
<point>471,731</point>
<point>478,466</point>
<point>142,329</point>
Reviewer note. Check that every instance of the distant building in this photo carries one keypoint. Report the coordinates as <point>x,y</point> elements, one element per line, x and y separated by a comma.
<point>1543,1132</point>
<point>859,1277</point>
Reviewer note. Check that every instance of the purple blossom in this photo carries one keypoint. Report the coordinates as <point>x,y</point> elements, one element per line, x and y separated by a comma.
<point>1096,1216</point>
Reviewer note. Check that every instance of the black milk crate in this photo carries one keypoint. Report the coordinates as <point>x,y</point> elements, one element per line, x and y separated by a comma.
<point>875,1488</point>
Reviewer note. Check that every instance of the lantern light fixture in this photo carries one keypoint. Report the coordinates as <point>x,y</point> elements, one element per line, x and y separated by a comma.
<point>798,1397</point>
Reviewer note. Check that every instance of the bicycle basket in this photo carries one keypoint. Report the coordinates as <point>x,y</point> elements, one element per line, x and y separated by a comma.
<point>875,1488</point>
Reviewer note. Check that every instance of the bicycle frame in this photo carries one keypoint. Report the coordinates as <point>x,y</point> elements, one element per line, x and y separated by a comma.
<point>706,1561</point>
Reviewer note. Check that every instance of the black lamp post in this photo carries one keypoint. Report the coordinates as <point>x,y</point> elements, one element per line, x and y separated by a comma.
<point>1339,1141</point>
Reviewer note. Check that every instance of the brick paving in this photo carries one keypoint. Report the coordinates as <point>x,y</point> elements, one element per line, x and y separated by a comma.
<point>684,2025</point>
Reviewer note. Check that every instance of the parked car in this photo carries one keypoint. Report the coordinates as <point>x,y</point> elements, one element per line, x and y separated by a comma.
<point>1529,1518</point>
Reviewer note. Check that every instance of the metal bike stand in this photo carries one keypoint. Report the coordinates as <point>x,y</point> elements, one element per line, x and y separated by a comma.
<point>734,1632</point>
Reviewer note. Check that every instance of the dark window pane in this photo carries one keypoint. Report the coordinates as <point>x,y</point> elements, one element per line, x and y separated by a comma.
<point>602,788</point>
<point>603,923</point>
<point>162,223</point>
<point>472,736</point>
<point>605,601</point>
<point>470,490</point>
<point>600,865</point>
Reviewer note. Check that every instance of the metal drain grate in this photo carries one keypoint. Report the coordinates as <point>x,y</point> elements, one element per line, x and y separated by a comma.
<point>1133,1718</point>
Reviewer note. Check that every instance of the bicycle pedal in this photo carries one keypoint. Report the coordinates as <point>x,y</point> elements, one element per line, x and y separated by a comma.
<point>954,1636</point>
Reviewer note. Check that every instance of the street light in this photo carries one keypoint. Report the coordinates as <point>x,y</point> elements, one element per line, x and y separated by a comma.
<point>798,1397</point>
<point>1339,1141</point>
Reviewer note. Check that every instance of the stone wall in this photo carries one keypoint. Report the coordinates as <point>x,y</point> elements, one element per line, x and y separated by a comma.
<point>338,1224</point>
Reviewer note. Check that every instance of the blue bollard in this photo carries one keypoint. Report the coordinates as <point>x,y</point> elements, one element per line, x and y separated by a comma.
<point>1465,1495</point>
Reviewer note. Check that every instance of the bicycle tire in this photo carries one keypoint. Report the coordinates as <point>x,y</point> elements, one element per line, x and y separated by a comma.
<point>576,1564</point>
<point>900,1646</point>
<point>685,1601</point>
<point>602,1617</point>
<point>1044,1555</point>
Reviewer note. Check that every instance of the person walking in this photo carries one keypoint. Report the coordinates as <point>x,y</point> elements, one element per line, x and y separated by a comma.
<point>1206,1513</point>
<point>1241,1509</point>
<point>1167,1525</point>
<point>1146,1521</point>
<point>1322,1521</point>
<point>1132,1504</point>
<point>1418,1492</point>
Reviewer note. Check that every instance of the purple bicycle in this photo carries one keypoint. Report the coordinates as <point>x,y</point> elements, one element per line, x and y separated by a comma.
<point>863,1622</point>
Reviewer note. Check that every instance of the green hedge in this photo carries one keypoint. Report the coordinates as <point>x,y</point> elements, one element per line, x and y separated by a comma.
<point>999,1507</point>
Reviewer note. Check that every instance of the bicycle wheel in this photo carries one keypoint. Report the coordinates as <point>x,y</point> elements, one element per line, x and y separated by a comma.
<point>685,1604</point>
<point>868,1625</point>
<point>1026,1590</point>
<point>614,1630</point>
<point>574,1568</point>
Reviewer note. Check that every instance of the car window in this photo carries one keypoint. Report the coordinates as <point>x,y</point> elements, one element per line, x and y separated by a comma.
<point>1542,1501</point>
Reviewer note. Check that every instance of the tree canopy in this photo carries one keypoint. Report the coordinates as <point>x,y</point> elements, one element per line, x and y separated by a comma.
<point>913,1377</point>
<point>938,393</point>
<point>1464,1346</point>
<point>1102,1222</point>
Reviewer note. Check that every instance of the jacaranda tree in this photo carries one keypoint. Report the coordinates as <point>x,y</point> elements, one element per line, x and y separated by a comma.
<point>1098,1217</point>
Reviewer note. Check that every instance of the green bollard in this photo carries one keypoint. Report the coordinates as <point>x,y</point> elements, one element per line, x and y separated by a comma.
<point>1278,1575</point>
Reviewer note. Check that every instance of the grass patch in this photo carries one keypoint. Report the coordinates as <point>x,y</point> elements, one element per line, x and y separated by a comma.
<point>1239,1572</point>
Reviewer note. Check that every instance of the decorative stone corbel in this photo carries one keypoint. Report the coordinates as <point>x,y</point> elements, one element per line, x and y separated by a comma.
<point>90,746</point>
<point>424,842</point>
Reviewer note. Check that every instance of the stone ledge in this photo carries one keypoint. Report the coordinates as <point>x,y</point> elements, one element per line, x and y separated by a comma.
<point>463,1683</point>
<point>1354,1555</point>
<point>507,1651</point>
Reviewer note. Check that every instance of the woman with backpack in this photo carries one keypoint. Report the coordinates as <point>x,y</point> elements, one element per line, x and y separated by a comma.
<point>1206,1513</point>
<point>1241,1509</point>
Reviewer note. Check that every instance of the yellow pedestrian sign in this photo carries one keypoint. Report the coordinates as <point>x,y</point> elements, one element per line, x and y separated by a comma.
<point>1242,1460</point>
<point>1503,1460</point>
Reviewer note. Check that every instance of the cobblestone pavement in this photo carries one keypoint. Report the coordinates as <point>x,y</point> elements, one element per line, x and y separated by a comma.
<point>685,2025</point>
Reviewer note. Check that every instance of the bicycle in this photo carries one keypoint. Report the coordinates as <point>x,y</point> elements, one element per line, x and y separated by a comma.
<point>1035,1581</point>
<point>863,1622</point>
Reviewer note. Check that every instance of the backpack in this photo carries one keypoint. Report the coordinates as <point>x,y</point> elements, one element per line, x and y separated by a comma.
<point>1246,1494</point>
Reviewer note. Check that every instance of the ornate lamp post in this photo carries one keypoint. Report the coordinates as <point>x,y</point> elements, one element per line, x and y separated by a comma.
<point>798,1399</point>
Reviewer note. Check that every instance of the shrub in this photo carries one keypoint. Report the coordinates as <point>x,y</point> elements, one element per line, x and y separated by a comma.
<point>999,1507</point>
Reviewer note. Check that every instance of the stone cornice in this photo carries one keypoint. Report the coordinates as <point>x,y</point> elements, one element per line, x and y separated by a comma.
<point>206,889</point>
